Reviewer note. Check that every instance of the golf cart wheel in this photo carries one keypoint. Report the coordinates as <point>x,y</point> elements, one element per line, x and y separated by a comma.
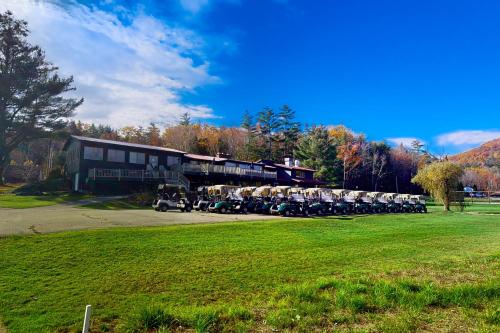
<point>320,212</point>
<point>287,213</point>
<point>244,210</point>
<point>306,212</point>
<point>163,208</point>
<point>222,210</point>
<point>188,209</point>
<point>183,210</point>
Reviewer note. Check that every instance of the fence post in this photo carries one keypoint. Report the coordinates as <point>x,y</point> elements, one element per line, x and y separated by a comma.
<point>86,319</point>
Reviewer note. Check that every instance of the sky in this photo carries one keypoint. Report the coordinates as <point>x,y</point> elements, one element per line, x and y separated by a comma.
<point>393,70</point>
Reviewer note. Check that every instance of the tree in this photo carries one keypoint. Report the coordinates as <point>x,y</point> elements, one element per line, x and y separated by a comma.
<point>31,102</point>
<point>440,179</point>
<point>315,150</point>
<point>289,130</point>
<point>267,124</point>
<point>185,119</point>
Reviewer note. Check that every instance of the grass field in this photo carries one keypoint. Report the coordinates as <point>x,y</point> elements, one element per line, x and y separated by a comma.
<point>387,273</point>
<point>30,201</point>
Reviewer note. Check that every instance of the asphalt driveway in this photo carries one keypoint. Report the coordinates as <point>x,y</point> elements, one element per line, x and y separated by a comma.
<point>66,217</point>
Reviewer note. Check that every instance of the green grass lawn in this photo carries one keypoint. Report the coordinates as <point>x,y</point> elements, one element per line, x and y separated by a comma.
<point>30,201</point>
<point>387,273</point>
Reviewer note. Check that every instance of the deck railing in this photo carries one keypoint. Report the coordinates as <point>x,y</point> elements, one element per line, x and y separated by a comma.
<point>207,169</point>
<point>169,176</point>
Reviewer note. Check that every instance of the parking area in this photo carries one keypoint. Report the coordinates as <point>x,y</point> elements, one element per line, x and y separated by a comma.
<point>64,217</point>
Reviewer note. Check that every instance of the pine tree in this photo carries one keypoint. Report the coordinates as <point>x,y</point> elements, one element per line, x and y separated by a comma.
<point>185,119</point>
<point>267,125</point>
<point>32,102</point>
<point>289,130</point>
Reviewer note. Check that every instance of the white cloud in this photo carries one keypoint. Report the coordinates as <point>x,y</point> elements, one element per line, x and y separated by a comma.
<point>129,73</point>
<point>405,141</point>
<point>193,6</point>
<point>464,138</point>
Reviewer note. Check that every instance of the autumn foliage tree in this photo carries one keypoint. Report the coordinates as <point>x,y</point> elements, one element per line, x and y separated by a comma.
<point>440,179</point>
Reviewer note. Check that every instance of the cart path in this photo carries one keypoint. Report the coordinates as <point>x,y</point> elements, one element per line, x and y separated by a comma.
<point>64,217</point>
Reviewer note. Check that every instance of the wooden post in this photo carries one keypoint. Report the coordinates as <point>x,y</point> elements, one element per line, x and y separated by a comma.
<point>86,319</point>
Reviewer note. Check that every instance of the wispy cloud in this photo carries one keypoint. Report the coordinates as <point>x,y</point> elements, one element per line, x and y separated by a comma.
<point>194,6</point>
<point>467,138</point>
<point>129,73</point>
<point>405,141</point>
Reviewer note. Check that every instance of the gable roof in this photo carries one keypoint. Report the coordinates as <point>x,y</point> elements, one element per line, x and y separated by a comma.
<point>126,144</point>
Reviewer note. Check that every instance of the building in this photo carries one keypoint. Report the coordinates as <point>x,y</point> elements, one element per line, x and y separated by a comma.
<point>291,173</point>
<point>107,165</point>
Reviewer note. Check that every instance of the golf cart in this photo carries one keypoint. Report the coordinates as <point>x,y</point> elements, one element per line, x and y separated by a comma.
<point>203,200</point>
<point>419,201</point>
<point>172,197</point>
<point>340,205</point>
<point>363,203</point>
<point>295,204</point>
<point>394,203</point>
<point>225,199</point>
<point>407,206</point>
<point>261,200</point>
<point>278,195</point>
<point>320,201</point>
<point>379,204</point>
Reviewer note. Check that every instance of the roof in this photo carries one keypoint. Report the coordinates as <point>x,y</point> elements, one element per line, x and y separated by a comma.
<point>205,158</point>
<point>217,159</point>
<point>268,163</point>
<point>308,181</point>
<point>127,144</point>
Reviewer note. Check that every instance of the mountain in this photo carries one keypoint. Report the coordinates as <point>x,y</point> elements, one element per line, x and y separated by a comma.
<point>488,154</point>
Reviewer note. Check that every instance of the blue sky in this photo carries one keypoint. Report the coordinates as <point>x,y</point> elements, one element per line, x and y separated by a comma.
<point>394,70</point>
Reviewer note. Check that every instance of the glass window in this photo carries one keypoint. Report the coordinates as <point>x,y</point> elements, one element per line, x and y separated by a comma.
<point>137,158</point>
<point>92,153</point>
<point>115,155</point>
<point>257,167</point>
<point>153,161</point>
<point>231,164</point>
<point>244,166</point>
<point>300,174</point>
<point>172,160</point>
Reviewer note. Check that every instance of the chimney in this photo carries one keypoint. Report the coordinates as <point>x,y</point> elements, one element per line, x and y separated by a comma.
<point>288,161</point>
<point>297,163</point>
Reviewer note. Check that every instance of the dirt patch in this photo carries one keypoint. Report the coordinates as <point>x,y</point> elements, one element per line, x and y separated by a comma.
<point>63,218</point>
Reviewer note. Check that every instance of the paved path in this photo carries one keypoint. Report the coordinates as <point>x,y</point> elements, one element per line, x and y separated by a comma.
<point>66,217</point>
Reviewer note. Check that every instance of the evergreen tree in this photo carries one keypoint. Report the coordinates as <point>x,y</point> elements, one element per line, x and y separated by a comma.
<point>185,119</point>
<point>267,125</point>
<point>316,150</point>
<point>31,92</point>
<point>289,130</point>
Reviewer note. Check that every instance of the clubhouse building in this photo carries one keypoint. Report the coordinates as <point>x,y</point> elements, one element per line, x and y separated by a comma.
<point>106,165</point>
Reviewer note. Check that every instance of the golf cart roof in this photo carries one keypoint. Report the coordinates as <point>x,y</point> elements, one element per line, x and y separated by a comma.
<point>357,194</point>
<point>280,190</point>
<point>262,191</point>
<point>404,196</point>
<point>374,194</point>
<point>339,192</point>
<point>417,197</point>
<point>296,190</point>
<point>162,186</point>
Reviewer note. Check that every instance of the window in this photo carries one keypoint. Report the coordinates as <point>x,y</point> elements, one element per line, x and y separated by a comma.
<point>300,174</point>
<point>231,164</point>
<point>136,158</point>
<point>244,166</point>
<point>115,155</point>
<point>172,160</point>
<point>92,153</point>
<point>153,161</point>
<point>257,167</point>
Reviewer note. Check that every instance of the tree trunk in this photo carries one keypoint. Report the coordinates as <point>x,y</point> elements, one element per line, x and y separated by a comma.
<point>2,170</point>
<point>446,203</point>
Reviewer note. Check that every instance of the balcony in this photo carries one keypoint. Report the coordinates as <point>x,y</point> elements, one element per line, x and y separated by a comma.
<point>208,169</point>
<point>167,176</point>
